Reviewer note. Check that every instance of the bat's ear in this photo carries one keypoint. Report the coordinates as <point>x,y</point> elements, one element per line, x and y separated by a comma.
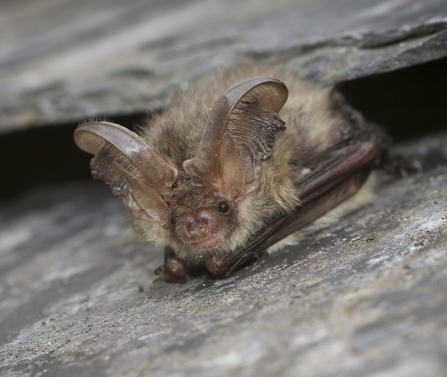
<point>134,169</point>
<point>238,134</point>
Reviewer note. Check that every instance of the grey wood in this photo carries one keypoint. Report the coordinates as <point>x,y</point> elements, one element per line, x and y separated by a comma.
<point>363,297</point>
<point>65,60</point>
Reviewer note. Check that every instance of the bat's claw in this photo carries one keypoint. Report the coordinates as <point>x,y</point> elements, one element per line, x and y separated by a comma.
<point>159,272</point>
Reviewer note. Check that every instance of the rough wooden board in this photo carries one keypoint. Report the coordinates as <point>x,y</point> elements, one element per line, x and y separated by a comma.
<point>62,61</point>
<point>364,297</point>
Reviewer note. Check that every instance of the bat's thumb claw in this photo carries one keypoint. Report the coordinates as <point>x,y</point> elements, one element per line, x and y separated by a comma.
<point>159,272</point>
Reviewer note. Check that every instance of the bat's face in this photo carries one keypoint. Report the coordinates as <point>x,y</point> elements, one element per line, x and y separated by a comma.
<point>202,219</point>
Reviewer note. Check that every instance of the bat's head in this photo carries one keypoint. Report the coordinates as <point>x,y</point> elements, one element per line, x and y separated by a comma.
<point>194,207</point>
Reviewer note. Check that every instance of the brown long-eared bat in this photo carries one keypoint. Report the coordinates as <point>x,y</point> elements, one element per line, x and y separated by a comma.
<point>218,178</point>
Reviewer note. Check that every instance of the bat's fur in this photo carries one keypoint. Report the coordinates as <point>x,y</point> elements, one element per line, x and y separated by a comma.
<point>316,121</point>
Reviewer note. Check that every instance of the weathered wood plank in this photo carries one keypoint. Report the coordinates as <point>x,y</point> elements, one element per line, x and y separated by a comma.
<point>62,61</point>
<point>364,297</point>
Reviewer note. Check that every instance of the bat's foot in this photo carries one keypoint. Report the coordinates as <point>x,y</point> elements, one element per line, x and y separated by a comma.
<point>174,270</point>
<point>400,166</point>
<point>218,267</point>
<point>223,267</point>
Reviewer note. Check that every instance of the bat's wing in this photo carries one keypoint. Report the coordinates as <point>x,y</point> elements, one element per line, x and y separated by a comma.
<point>327,186</point>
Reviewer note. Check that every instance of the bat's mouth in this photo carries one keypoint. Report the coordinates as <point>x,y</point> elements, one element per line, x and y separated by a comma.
<point>206,243</point>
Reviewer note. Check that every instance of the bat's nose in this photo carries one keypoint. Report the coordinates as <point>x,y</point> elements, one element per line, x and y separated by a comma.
<point>197,227</point>
<point>200,229</point>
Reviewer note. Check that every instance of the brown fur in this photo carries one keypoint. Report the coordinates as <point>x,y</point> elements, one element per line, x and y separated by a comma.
<point>313,127</point>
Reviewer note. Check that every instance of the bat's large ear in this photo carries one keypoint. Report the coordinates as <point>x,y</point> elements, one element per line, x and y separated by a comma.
<point>238,134</point>
<point>134,169</point>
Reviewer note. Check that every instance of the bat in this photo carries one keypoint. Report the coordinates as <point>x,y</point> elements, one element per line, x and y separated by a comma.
<point>219,178</point>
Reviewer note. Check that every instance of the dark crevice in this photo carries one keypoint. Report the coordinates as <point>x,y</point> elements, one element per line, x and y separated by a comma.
<point>43,156</point>
<point>409,102</point>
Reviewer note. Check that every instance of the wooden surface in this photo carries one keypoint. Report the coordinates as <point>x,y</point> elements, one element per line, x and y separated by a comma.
<point>365,297</point>
<point>62,61</point>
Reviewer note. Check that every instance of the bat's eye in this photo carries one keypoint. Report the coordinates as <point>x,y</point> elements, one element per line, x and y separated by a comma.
<point>223,207</point>
<point>173,220</point>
